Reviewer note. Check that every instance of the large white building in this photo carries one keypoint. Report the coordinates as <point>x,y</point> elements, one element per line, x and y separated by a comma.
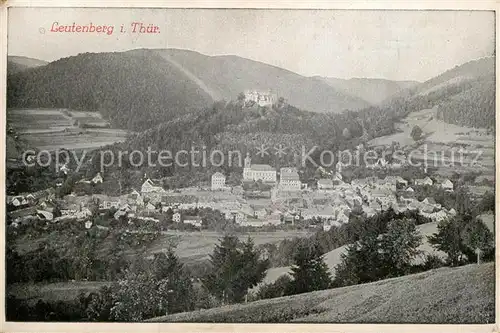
<point>289,179</point>
<point>262,98</point>
<point>218,181</point>
<point>255,172</point>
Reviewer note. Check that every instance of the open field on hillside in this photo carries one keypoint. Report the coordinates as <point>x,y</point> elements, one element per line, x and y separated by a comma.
<point>53,292</point>
<point>442,143</point>
<point>50,129</point>
<point>437,131</point>
<point>198,245</point>
<point>446,295</point>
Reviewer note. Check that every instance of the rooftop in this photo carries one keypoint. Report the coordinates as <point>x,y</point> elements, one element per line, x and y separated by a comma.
<point>325,181</point>
<point>261,167</point>
<point>289,174</point>
<point>218,175</point>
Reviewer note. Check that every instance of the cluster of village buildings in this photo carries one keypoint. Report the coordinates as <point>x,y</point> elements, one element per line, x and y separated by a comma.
<point>290,200</point>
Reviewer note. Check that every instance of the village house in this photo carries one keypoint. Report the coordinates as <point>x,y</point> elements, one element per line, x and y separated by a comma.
<point>260,213</point>
<point>48,206</point>
<point>122,212</point>
<point>193,220</point>
<point>147,219</point>
<point>425,181</point>
<point>44,215</point>
<point>150,186</point>
<point>447,185</point>
<point>218,181</point>
<point>150,207</point>
<point>83,213</point>
<point>257,172</point>
<point>97,179</point>
<point>135,198</point>
<point>337,179</point>
<point>176,217</point>
<point>325,185</point>
<point>289,179</point>
<point>236,216</point>
<point>431,201</point>
<point>109,203</point>
<point>19,201</point>
<point>438,216</point>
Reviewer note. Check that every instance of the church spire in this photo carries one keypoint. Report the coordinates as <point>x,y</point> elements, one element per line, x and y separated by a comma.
<point>248,160</point>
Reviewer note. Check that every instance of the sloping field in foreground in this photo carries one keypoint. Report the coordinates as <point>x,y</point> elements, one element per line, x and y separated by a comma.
<point>446,295</point>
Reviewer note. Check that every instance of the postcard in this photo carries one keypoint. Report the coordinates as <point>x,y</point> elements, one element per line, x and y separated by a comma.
<point>230,168</point>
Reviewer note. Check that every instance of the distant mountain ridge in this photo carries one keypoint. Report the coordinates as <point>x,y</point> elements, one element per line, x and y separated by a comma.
<point>17,64</point>
<point>140,88</point>
<point>371,90</point>
<point>463,95</point>
<point>228,75</point>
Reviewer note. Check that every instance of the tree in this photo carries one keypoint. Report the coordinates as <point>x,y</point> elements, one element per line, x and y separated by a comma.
<point>361,262</point>
<point>97,305</point>
<point>309,272</point>
<point>180,289</point>
<point>236,267</point>
<point>138,297</point>
<point>476,235</point>
<point>276,289</point>
<point>416,133</point>
<point>460,237</point>
<point>487,203</point>
<point>447,239</point>
<point>463,204</point>
<point>399,246</point>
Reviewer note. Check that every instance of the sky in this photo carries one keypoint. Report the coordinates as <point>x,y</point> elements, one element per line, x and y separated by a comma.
<point>395,45</point>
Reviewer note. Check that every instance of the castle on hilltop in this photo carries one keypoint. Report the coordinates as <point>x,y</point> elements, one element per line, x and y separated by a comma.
<point>262,98</point>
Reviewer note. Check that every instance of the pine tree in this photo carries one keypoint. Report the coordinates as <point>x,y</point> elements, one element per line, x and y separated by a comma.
<point>309,272</point>
<point>399,246</point>
<point>177,285</point>
<point>236,267</point>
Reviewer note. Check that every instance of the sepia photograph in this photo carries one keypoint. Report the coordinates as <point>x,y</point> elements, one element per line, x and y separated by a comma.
<point>210,165</point>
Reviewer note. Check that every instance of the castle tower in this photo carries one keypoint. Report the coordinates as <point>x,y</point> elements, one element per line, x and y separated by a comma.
<point>248,161</point>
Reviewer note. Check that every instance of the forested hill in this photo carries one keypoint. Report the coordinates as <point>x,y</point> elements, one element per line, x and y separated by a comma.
<point>139,89</point>
<point>237,126</point>
<point>464,95</point>
<point>135,91</point>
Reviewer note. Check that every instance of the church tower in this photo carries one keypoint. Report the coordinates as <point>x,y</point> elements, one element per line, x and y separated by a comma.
<point>247,169</point>
<point>248,161</point>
